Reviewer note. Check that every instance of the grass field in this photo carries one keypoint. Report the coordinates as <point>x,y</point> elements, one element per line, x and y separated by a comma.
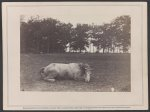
<point>109,71</point>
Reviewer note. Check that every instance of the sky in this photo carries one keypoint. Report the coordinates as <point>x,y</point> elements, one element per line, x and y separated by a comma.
<point>88,15</point>
<point>77,19</point>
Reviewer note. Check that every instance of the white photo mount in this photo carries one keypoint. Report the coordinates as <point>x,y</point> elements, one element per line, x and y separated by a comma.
<point>14,99</point>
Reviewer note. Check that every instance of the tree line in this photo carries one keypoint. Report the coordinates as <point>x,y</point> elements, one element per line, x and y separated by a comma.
<point>50,35</point>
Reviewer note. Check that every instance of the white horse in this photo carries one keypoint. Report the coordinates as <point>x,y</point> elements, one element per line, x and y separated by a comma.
<point>74,71</point>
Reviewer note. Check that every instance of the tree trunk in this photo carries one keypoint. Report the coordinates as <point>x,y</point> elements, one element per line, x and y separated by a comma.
<point>37,45</point>
<point>68,48</point>
<point>48,45</point>
<point>90,47</point>
<point>113,49</point>
<point>103,50</point>
<point>98,49</point>
<point>93,48</point>
<point>80,50</point>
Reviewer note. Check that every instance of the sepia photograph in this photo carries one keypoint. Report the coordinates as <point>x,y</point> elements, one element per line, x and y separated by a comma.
<point>75,56</point>
<point>69,54</point>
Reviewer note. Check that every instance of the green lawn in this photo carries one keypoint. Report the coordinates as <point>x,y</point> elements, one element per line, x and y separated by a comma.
<point>109,71</point>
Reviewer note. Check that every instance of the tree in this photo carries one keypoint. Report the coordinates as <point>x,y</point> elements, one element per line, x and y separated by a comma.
<point>122,32</point>
<point>28,33</point>
<point>50,35</point>
<point>115,35</point>
<point>80,38</point>
<point>23,37</point>
<point>64,35</point>
<point>102,37</point>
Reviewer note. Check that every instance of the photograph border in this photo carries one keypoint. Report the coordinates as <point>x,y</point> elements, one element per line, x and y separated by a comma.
<point>68,1</point>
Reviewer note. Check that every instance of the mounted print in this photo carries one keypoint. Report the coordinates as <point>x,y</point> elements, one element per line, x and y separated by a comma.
<point>75,56</point>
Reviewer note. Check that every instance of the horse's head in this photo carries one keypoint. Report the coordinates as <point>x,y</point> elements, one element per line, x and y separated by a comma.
<point>86,71</point>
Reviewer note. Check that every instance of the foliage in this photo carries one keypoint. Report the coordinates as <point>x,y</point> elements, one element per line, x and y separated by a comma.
<point>113,35</point>
<point>80,38</point>
<point>51,36</point>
